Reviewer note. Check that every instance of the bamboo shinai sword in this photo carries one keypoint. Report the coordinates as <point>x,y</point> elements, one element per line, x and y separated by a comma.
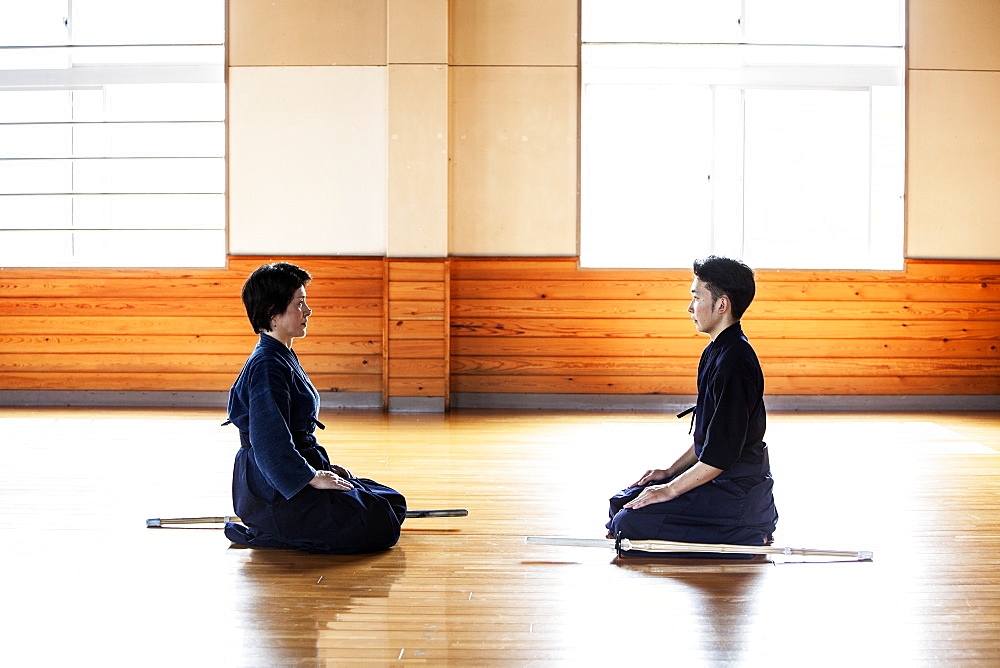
<point>621,545</point>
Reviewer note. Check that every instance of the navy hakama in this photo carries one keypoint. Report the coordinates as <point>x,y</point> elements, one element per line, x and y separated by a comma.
<point>732,508</point>
<point>275,405</point>
<point>737,507</point>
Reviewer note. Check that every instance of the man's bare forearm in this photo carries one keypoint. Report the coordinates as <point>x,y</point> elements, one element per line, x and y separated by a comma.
<point>684,462</point>
<point>697,474</point>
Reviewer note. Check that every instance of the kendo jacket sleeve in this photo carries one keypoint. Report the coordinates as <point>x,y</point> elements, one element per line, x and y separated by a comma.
<point>270,414</point>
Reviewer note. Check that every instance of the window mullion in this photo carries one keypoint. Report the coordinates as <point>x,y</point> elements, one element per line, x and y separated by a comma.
<point>727,172</point>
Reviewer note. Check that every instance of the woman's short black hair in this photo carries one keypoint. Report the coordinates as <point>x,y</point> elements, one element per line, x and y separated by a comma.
<point>269,291</point>
<point>724,276</point>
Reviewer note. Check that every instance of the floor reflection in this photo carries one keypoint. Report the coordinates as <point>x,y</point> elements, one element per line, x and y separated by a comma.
<point>295,602</point>
<point>720,595</point>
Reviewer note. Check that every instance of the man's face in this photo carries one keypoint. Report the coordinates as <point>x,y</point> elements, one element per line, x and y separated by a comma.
<point>704,310</point>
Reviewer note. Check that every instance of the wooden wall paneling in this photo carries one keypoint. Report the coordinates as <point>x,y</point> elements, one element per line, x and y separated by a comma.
<point>769,309</point>
<point>427,386</point>
<point>417,31</point>
<point>386,334</point>
<point>347,302</point>
<point>169,308</point>
<point>416,309</point>
<point>307,159</point>
<point>953,142</point>
<point>567,269</point>
<point>180,330</point>
<point>766,348</point>
<point>169,382</point>
<point>415,329</point>
<point>307,32</point>
<point>418,140</point>
<point>417,298</point>
<point>119,363</point>
<point>513,171</point>
<point>152,344</point>
<point>791,329</point>
<point>515,325</point>
<point>321,268</point>
<point>955,35</point>
<point>677,366</point>
<point>675,290</point>
<point>545,326</point>
<point>113,325</point>
<point>514,32</point>
<point>685,385</point>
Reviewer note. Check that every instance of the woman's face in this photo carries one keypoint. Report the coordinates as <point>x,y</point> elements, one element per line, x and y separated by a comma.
<point>291,324</point>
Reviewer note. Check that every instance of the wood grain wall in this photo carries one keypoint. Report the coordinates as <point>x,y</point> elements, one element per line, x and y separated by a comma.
<point>516,326</point>
<point>180,330</point>
<point>416,339</point>
<point>544,326</point>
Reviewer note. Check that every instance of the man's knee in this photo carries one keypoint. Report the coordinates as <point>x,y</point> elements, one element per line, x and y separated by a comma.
<point>632,524</point>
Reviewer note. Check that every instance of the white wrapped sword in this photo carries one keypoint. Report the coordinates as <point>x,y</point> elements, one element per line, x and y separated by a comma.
<point>621,545</point>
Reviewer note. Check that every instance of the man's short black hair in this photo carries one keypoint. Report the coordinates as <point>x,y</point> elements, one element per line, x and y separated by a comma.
<point>269,290</point>
<point>725,276</point>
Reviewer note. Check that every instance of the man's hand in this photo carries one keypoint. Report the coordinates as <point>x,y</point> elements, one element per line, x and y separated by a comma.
<point>652,475</point>
<point>330,480</point>
<point>697,475</point>
<point>341,471</point>
<point>650,495</point>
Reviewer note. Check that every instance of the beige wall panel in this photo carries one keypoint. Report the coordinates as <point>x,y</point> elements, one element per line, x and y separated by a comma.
<point>514,32</point>
<point>513,174</point>
<point>307,32</point>
<point>418,160</point>
<point>953,187</point>
<point>418,31</point>
<point>307,160</point>
<point>954,34</point>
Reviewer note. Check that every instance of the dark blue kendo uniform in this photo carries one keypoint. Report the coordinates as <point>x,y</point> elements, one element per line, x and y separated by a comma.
<point>737,507</point>
<point>274,405</point>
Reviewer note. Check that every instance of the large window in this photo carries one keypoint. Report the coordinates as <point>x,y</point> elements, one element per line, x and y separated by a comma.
<point>769,130</point>
<point>112,134</point>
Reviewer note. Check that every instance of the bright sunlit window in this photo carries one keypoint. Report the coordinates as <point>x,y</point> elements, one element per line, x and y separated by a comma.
<point>112,133</point>
<point>768,130</point>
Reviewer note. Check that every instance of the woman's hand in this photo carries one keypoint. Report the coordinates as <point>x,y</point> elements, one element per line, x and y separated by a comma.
<point>330,480</point>
<point>652,475</point>
<point>652,494</point>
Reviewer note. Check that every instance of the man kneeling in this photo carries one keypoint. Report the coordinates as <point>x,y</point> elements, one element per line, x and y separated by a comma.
<point>720,489</point>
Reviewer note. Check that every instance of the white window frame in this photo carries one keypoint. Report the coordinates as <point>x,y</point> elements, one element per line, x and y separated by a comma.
<point>643,236</point>
<point>104,175</point>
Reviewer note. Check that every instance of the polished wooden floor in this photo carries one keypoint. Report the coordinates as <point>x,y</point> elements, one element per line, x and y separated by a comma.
<point>85,583</point>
